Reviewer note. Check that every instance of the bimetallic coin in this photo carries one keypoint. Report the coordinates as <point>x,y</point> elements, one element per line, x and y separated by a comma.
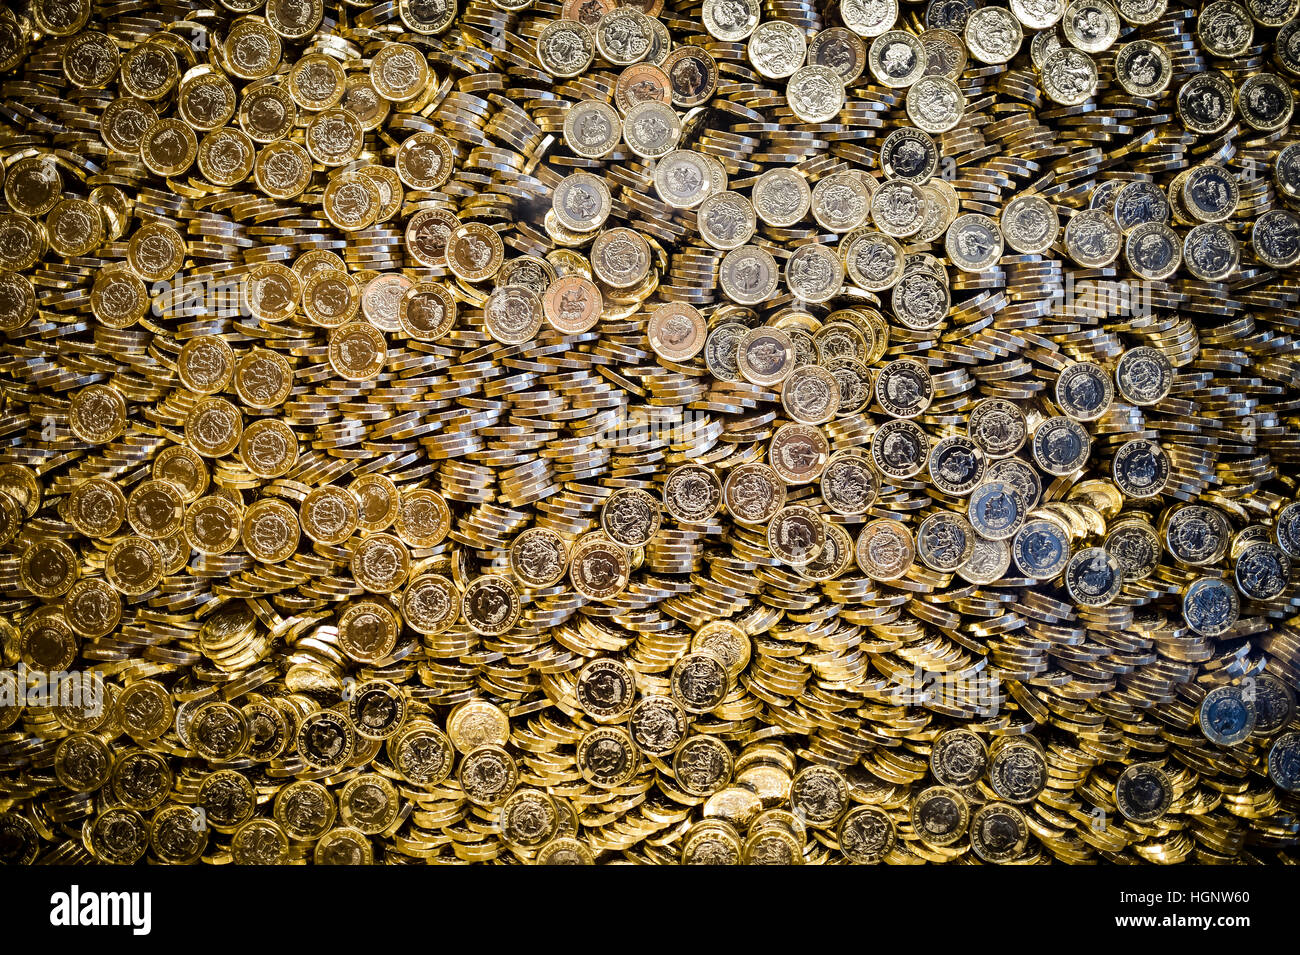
<point>592,129</point>
<point>1262,571</point>
<point>1038,14</point>
<point>869,18</point>
<point>935,104</point>
<point>995,511</point>
<point>748,275</point>
<point>815,94</point>
<point>620,257</point>
<point>488,775</point>
<point>607,758</point>
<point>796,535</point>
<point>896,208</point>
<point>904,388</point>
<point>840,202</point>
<point>606,690</point>
<point>897,59</point>
<point>1275,238</point>
<point>566,48</point>
<point>1210,252</point>
<point>776,48</point>
<point>753,493</point>
<point>1093,577</point>
<point>431,604</point>
<point>474,252</point>
<point>1143,793</point>
<point>731,20</point>
<point>798,453</point>
<point>1141,468</point>
<point>810,394</point>
<point>1143,67</point>
<point>840,49</point>
<point>993,35</point>
<point>998,832</point>
<point>1136,545</point>
<point>900,449</point>
<point>956,465</point>
<point>631,517</point>
<point>598,567</point>
<point>1197,535</point>
<point>1205,103</point>
<point>703,765</point>
<point>974,242</point>
<point>1284,762</point>
<point>1226,716</point>
<point>1093,238</point>
<point>909,155</point>
<point>683,179</point>
<point>677,332</point>
<point>1069,76</point>
<point>1061,445</point>
<point>652,129</point>
<point>940,815</point>
<point>726,220</point>
<point>958,757</point>
<point>1091,25</point>
<point>1083,391</point>
<point>1017,770</point>
<point>490,605</point>
<point>692,494</point>
<point>1211,606</point>
<point>692,75</point>
<point>814,273</point>
<point>874,261</point>
<point>765,355</point>
<point>885,549</point>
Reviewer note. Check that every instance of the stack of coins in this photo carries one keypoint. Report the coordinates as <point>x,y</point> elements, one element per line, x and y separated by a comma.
<point>689,433</point>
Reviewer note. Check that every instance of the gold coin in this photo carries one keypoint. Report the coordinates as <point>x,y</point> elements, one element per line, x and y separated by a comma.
<point>118,297</point>
<point>317,82</point>
<point>263,378</point>
<point>368,631</point>
<point>380,564</point>
<point>377,502</point>
<point>133,566</point>
<point>282,170</point>
<point>431,604</point>
<point>184,469</point>
<point>155,509</point>
<point>474,251</point>
<point>97,414</point>
<point>169,147</point>
<point>156,252</point>
<point>357,351</point>
<point>212,524</point>
<point>74,228</point>
<point>330,297</point>
<point>427,312</point>
<point>96,508</point>
<point>270,531</point>
<point>329,514</point>
<point>490,605</point>
<point>92,608</point>
<point>269,448</point>
<point>423,518</point>
<point>213,427</point>
<point>399,72</point>
<point>206,364</point>
<point>48,568</point>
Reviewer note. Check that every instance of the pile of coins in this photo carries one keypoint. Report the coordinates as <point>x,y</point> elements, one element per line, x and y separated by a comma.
<point>799,431</point>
